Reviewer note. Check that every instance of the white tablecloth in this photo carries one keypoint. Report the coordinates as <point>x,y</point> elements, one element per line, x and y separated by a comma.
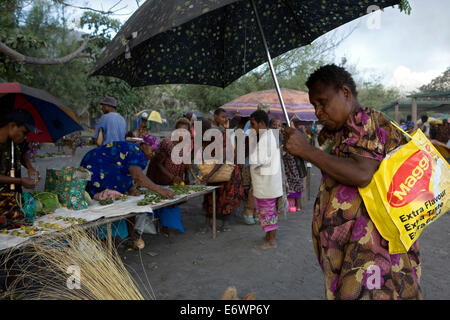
<point>93,213</point>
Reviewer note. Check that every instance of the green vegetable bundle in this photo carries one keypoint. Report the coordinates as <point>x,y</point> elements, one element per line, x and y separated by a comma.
<point>46,202</point>
<point>179,190</point>
<point>106,201</point>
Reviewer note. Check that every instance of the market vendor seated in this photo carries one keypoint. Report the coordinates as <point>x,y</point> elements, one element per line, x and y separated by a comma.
<point>13,129</point>
<point>118,166</point>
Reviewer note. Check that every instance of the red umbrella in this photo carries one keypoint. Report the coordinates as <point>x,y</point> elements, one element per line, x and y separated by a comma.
<point>52,118</point>
<point>296,102</point>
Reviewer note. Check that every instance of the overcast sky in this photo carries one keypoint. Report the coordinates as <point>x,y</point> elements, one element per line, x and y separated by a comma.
<point>402,50</point>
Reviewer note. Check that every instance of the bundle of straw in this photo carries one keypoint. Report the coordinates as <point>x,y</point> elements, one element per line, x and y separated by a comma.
<point>76,266</point>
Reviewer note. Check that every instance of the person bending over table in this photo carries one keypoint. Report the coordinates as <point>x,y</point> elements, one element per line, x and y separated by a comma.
<point>118,166</point>
<point>163,171</point>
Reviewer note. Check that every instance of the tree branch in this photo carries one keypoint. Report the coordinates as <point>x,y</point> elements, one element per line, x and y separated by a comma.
<point>108,12</point>
<point>47,61</point>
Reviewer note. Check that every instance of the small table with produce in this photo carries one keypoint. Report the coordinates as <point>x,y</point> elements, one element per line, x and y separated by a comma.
<point>98,214</point>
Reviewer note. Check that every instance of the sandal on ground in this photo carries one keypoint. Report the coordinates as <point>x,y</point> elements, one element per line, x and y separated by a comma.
<point>249,220</point>
<point>225,229</point>
<point>205,229</point>
<point>138,244</point>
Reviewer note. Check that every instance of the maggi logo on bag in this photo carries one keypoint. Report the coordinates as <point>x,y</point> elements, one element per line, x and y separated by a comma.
<point>410,180</point>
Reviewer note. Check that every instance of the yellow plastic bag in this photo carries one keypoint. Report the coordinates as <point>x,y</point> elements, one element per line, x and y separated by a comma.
<point>408,192</point>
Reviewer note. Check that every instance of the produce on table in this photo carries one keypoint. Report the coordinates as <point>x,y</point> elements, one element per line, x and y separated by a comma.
<point>88,198</point>
<point>149,199</point>
<point>106,201</point>
<point>152,197</point>
<point>72,220</point>
<point>181,189</point>
<point>46,202</point>
<point>123,198</point>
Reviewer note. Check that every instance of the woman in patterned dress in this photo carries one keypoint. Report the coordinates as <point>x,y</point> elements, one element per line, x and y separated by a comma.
<point>352,254</point>
<point>230,194</point>
<point>118,166</point>
<point>163,171</point>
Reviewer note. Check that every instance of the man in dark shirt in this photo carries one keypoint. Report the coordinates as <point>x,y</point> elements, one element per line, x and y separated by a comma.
<point>13,130</point>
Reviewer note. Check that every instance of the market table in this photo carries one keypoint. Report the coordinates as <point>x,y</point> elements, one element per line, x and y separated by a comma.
<point>97,215</point>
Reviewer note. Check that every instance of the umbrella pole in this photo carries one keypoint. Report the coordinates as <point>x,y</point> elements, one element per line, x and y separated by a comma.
<point>300,163</point>
<point>269,60</point>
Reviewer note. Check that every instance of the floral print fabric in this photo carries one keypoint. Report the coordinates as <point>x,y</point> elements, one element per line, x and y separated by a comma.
<point>110,165</point>
<point>178,170</point>
<point>294,181</point>
<point>267,213</point>
<point>352,254</point>
<point>230,193</point>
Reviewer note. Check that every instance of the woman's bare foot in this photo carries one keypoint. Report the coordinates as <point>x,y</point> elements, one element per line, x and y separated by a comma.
<point>267,245</point>
<point>205,229</point>
<point>225,228</point>
<point>165,232</point>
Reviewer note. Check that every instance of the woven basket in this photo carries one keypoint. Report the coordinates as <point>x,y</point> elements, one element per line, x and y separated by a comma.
<point>221,175</point>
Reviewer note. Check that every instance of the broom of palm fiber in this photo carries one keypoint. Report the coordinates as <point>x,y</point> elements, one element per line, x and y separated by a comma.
<point>76,266</point>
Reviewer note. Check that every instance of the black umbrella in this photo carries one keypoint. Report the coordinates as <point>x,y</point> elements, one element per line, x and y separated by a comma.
<point>214,42</point>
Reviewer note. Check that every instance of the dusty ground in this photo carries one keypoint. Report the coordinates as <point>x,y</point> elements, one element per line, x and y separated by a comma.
<point>191,265</point>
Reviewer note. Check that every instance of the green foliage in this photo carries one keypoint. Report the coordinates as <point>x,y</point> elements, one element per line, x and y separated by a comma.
<point>100,24</point>
<point>440,83</point>
<point>43,31</point>
<point>375,95</point>
<point>405,6</point>
<point>17,38</point>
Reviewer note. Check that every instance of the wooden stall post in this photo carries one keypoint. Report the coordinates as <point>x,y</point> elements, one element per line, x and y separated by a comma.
<point>109,236</point>
<point>414,112</point>
<point>214,213</point>
<point>396,112</point>
<point>308,180</point>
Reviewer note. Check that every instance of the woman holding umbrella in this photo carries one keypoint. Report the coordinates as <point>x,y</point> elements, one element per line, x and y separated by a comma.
<point>355,139</point>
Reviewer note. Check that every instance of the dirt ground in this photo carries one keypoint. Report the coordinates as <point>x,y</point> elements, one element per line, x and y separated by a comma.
<point>192,265</point>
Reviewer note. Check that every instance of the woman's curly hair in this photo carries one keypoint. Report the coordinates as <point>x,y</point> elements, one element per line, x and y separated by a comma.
<point>183,121</point>
<point>333,75</point>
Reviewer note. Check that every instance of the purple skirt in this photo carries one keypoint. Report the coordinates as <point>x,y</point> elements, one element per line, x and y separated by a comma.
<point>295,195</point>
<point>266,210</point>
